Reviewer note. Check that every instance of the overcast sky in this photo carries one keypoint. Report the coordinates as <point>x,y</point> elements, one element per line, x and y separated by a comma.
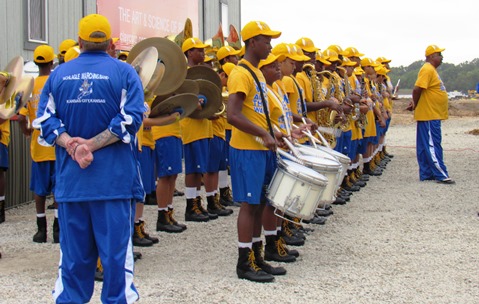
<point>399,30</point>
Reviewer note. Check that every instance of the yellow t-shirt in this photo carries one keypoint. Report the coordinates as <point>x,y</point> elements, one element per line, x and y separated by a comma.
<point>241,80</point>
<point>370,129</point>
<point>147,136</point>
<point>195,129</point>
<point>280,90</point>
<point>38,152</point>
<point>305,83</point>
<point>173,129</point>
<point>433,103</point>
<point>5,131</point>
<point>293,95</point>
<point>276,110</point>
<point>218,126</point>
<point>227,125</point>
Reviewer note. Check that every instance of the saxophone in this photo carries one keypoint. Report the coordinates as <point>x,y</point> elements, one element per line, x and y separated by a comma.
<point>362,122</point>
<point>340,95</point>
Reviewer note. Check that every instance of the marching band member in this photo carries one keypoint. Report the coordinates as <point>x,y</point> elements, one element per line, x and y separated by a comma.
<point>42,181</point>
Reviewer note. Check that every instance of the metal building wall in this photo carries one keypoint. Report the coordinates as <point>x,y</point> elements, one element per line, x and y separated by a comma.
<point>210,16</point>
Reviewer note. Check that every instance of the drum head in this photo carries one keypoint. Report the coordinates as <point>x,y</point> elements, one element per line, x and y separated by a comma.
<point>305,172</point>
<point>341,157</point>
<point>323,164</point>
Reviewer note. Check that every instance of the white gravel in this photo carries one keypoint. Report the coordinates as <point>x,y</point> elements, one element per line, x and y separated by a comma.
<point>398,241</point>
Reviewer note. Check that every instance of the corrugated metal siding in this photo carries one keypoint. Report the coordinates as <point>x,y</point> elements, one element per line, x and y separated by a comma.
<point>18,175</point>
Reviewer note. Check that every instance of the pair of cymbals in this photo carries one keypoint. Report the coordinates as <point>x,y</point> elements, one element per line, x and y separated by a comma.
<point>188,103</point>
<point>19,100</point>
<point>210,89</point>
<point>171,56</point>
<point>15,70</point>
<point>145,64</point>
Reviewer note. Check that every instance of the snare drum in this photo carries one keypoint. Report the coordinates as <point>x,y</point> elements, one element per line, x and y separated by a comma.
<point>324,152</point>
<point>330,168</point>
<point>296,189</point>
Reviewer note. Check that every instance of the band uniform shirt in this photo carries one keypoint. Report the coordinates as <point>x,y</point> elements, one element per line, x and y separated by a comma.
<point>433,102</point>
<point>370,129</point>
<point>276,112</point>
<point>293,95</point>
<point>84,97</point>
<point>147,135</point>
<point>305,83</point>
<point>5,132</point>
<point>38,152</point>
<point>241,81</point>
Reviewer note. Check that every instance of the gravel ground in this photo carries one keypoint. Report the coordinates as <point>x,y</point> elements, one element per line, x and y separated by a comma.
<point>398,241</point>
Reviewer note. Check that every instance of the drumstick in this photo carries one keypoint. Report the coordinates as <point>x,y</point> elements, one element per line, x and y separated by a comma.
<point>309,133</point>
<point>282,152</point>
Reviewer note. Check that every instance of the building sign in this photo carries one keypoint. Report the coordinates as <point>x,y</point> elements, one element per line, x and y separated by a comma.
<point>135,20</point>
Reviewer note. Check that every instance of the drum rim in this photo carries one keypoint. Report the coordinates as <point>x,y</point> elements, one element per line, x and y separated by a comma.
<point>320,180</point>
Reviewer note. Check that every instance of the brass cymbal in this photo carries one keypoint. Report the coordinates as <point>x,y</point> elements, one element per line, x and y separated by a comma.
<point>212,95</point>
<point>205,73</point>
<point>15,69</point>
<point>188,86</point>
<point>144,63</point>
<point>187,102</point>
<point>155,80</point>
<point>171,56</point>
<point>22,95</point>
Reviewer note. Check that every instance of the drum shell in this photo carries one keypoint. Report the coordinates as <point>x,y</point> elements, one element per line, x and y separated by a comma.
<point>330,168</point>
<point>296,190</point>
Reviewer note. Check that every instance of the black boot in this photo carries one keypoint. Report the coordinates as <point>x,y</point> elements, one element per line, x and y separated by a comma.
<point>211,216</point>
<point>247,268</point>
<point>41,235</point>
<point>164,223</point>
<point>258,256</point>
<point>292,252</point>
<point>172,219</point>
<point>226,199</point>
<point>193,212</point>
<point>215,207</point>
<point>139,239</point>
<point>56,231</point>
<point>274,251</point>
<point>99,271</point>
<point>150,199</point>
<point>289,237</point>
<point>2,211</point>
<point>153,239</point>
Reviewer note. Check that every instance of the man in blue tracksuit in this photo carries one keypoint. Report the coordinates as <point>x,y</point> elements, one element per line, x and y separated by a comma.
<point>91,108</point>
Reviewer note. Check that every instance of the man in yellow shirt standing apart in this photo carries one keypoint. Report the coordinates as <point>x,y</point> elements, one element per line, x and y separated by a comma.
<point>430,105</point>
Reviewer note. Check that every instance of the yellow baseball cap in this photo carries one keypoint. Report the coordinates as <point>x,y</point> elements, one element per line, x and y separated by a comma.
<point>256,28</point>
<point>43,54</point>
<point>368,62</point>
<point>298,51</point>
<point>358,71</point>
<point>270,59</point>
<point>65,45</point>
<point>337,49</point>
<point>380,70</point>
<point>433,49</point>
<point>72,53</point>
<point>193,43</point>
<point>348,62</point>
<point>320,57</point>
<point>288,52</point>
<point>306,44</point>
<point>94,23</point>
<point>226,51</point>
<point>330,55</point>
<point>383,60</point>
<point>352,52</point>
<point>228,67</point>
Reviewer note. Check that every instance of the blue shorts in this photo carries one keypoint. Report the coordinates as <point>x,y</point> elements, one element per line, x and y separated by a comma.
<point>344,145</point>
<point>3,157</point>
<point>168,151</point>
<point>216,155</point>
<point>251,173</point>
<point>196,156</point>
<point>353,149</point>
<point>147,166</point>
<point>42,181</point>
<point>91,230</point>
<point>362,145</point>
<point>388,122</point>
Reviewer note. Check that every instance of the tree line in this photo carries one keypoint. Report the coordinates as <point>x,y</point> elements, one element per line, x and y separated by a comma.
<point>461,77</point>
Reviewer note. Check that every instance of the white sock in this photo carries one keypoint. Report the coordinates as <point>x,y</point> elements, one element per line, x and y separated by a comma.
<point>56,213</point>
<point>41,214</point>
<point>163,209</point>
<point>210,193</point>
<point>190,192</point>
<point>223,180</point>
<point>170,205</point>
<point>245,245</point>
<point>256,239</point>
<point>270,232</point>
